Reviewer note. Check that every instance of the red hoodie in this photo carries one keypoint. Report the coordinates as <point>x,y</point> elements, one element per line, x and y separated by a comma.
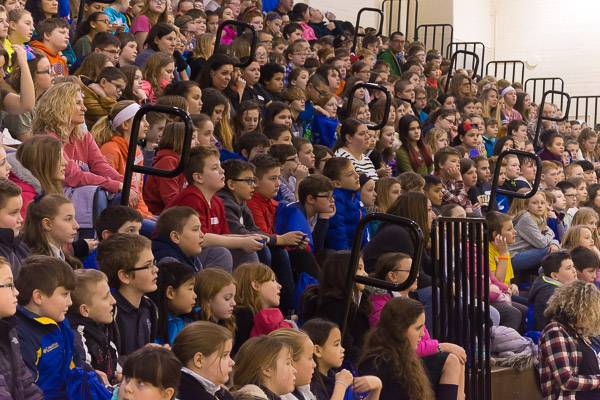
<point>158,192</point>
<point>56,60</point>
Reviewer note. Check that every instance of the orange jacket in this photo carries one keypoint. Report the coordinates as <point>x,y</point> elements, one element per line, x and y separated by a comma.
<point>115,152</point>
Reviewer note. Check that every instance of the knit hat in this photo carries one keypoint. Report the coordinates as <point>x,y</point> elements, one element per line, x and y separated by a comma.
<point>364,178</point>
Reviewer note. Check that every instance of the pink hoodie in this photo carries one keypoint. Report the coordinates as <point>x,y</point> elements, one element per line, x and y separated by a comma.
<point>87,166</point>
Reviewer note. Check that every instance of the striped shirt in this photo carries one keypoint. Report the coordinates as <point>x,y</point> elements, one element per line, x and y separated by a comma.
<point>362,166</point>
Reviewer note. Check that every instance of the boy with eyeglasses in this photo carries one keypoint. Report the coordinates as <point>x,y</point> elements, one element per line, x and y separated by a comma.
<point>19,383</point>
<point>292,172</point>
<point>128,263</point>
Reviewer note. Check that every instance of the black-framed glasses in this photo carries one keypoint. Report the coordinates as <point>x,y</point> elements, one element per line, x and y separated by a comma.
<point>9,285</point>
<point>147,266</point>
<point>249,181</point>
<point>322,93</point>
<point>449,120</point>
<point>475,126</point>
<point>292,159</point>
<point>329,197</point>
<point>49,71</point>
<point>119,88</point>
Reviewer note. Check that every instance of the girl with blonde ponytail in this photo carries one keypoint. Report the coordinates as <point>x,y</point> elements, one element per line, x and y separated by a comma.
<point>112,134</point>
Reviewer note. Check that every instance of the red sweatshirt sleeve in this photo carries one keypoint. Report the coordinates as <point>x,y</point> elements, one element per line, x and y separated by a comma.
<point>259,215</point>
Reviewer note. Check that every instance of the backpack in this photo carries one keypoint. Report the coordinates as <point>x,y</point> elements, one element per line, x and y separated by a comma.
<point>85,385</point>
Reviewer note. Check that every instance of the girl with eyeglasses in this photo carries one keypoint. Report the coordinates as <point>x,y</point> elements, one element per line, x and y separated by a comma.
<point>96,22</point>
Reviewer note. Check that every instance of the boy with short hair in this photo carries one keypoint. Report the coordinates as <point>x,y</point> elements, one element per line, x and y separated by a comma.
<point>205,178</point>
<point>483,188</point>
<point>317,203</point>
<point>128,48</point>
<point>411,182</point>
<point>447,168</point>
<point>489,136</point>
<point>528,169</point>
<point>575,128</point>
<point>558,269</point>
<point>349,209</point>
<point>44,285</point>
<point>278,134</point>
<point>18,383</point>
<point>572,147</point>
<point>11,221</point>
<point>271,79</point>
<point>178,237</point>
<point>104,43</point>
<point>128,263</point>
<point>253,143</point>
<point>549,177</point>
<point>92,317</point>
<point>574,171</point>
<point>589,173</point>
<point>513,170</point>
<point>433,190</point>
<point>586,263</point>
<point>52,39</point>
<point>292,172</point>
<point>570,191</point>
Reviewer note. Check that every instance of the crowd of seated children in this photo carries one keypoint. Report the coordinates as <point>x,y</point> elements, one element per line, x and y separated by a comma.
<point>266,202</point>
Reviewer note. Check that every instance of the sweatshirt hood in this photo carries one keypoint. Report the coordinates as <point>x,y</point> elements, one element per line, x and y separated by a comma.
<point>22,173</point>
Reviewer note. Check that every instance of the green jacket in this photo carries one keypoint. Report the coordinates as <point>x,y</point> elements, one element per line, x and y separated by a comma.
<point>403,164</point>
<point>392,60</point>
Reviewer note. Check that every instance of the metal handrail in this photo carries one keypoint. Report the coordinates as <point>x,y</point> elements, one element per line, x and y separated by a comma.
<point>351,277</point>
<point>357,34</point>
<point>253,44</point>
<point>130,166</point>
<point>372,86</point>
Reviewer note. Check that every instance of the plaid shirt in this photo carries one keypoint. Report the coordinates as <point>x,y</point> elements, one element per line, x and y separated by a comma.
<point>453,191</point>
<point>559,360</point>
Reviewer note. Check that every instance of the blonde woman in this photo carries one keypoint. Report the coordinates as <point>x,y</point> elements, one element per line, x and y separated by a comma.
<point>61,113</point>
<point>568,362</point>
<point>205,43</point>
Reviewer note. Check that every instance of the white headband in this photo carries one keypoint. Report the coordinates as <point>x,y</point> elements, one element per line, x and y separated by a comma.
<point>506,90</point>
<point>125,114</point>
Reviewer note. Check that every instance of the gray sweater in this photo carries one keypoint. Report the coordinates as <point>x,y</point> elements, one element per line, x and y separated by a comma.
<point>529,235</point>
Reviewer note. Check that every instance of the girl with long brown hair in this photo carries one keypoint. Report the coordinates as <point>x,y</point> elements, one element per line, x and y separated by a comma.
<point>216,291</point>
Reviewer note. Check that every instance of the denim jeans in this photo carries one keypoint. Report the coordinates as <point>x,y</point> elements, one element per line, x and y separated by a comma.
<point>528,260</point>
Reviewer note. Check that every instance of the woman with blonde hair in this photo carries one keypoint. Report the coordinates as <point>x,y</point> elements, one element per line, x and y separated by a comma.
<point>568,362</point>
<point>437,138</point>
<point>489,103</point>
<point>589,217</point>
<point>61,113</point>
<point>205,43</point>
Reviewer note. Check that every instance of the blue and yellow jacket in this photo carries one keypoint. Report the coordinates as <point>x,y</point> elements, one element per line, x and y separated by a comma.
<point>47,349</point>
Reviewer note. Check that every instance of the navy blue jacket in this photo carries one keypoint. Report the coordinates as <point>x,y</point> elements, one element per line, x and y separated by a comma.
<point>165,249</point>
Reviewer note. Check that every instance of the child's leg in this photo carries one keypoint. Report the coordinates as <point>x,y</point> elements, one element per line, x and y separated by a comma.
<point>239,256</point>
<point>217,256</point>
<point>529,260</point>
<point>509,316</point>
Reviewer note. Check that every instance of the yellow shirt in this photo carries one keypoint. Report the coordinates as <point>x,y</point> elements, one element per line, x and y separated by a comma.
<point>494,262</point>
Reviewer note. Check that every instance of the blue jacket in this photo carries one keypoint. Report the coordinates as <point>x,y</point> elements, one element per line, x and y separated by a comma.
<point>47,349</point>
<point>348,211</point>
<point>165,249</point>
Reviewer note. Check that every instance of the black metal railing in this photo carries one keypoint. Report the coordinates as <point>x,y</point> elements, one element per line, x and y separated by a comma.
<point>541,116</point>
<point>454,62</point>
<point>513,64</point>
<point>130,166</point>
<point>370,86</point>
<point>586,108</point>
<point>395,11</point>
<point>536,181</point>
<point>475,47</point>
<point>532,85</point>
<point>435,36</point>
<point>356,34</point>
<point>351,277</point>
<point>462,307</point>
<point>240,24</point>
